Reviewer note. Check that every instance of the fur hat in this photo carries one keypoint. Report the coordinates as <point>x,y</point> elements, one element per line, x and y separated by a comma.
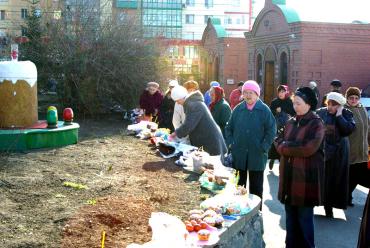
<point>336,83</point>
<point>353,91</point>
<point>308,96</point>
<point>173,83</point>
<point>252,85</point>
<point>178,92</point>
<point>337,97</point>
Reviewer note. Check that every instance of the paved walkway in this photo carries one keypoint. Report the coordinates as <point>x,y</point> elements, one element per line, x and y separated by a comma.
<point>340,232</point>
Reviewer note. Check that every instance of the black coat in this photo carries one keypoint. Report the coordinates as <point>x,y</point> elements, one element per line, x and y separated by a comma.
<point>166,112</point>
<point>336,154</point>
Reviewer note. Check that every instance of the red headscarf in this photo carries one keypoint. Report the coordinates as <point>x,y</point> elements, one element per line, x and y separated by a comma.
<point>219,93</point>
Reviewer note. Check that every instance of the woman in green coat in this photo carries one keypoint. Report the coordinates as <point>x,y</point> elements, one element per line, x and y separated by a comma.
<point>219,108</point>
<point>249,133</point>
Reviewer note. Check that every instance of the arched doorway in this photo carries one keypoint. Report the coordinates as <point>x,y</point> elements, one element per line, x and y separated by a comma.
<point>283,75</point>
<point>269,86</point>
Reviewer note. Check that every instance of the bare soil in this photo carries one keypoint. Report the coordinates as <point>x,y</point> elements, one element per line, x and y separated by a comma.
<point>126,181</point>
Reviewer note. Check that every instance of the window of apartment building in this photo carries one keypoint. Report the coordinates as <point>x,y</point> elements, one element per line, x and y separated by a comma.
<point>206,18</point>
<point>243,19</point>
<point>208,3</point>
<point>191,52</point>
<point>189,19</point>
<point>190,2</point>
<point>2,14</point>
<point>228,20</point>
<point>235,2</point>
<point>237,20</point>
<point>24,13</point>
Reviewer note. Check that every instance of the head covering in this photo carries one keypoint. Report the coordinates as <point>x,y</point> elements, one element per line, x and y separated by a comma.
<point>219,93</point>
<point>173,83</point>
<point>308,96</point>
<point>152,84</point>
<point>353,91</point>
<point>252,85</point>
<point>336,83</point>
<point>191,84</point>
<point>214,84</point>
<point>285,88</point>
<point>312,84</point>
<point>337,97</point>
<point>178,92</point>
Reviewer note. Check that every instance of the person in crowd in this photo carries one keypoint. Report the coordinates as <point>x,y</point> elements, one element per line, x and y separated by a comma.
<point>191,86</point>
<point>167,108</point>
<point>282,108</point>
<point>219,108</point>
<point>335,87</point>
<point>207,96</point>
<point>364,234</point>
<point>199,124</point>
<point>178,95</point>
<point>339,124</point>
<point>249,134</point>
<point>301,168</point>
<point>151,99</point>
<point>236,95</point>
<point>313,86</point>
<point>358,143</point>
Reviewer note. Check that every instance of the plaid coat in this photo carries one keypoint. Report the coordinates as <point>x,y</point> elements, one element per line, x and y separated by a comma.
<point>302,161</point>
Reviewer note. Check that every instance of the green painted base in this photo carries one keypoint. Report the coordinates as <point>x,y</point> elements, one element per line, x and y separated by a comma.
<point>26,139</point>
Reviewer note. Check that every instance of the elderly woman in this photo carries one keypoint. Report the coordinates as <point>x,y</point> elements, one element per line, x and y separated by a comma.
<point>167,107</point>
<point>250,132</point>
<point>151,99</point>
<point>358,143</point>
<point>301,169</point>
<point>220,109</point>
<point>199,124</point>
<point>339,124</point>
<point>207,95</point>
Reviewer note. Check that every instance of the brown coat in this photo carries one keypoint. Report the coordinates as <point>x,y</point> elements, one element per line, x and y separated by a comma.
<point>358,142</point>
<point>302,162</point>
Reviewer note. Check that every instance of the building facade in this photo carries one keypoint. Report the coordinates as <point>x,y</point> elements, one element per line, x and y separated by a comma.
<point>283,48</point>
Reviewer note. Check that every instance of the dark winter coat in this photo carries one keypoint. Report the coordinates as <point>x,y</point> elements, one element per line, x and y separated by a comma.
<point>364,235</point>
<point>166,112</point>
<point>281,118</point>
<point>250,133</point>
<point>149,102</point>
<point>336,150</point>
<point>301,168</point>
<point>221,114</point>
<point>200,126</point>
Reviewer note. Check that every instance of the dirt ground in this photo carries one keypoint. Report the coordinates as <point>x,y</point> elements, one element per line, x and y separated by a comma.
<point>126,181</point>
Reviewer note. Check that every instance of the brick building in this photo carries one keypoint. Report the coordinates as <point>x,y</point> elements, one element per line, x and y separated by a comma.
<point>286,47</point>
<point>222,58</point>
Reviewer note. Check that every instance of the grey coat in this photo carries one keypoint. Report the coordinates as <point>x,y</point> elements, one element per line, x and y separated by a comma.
<point>200,126</point>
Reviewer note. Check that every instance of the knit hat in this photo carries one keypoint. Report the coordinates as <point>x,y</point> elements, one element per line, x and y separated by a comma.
<point>337,97</point>
<point>214,83</point>
<point>252,85</point>
<point>308,96</point>
<point>178,92</point>
<point>152,84</point>
<point>336,83</point>
<point>353,91</point>
<point>173,83</point>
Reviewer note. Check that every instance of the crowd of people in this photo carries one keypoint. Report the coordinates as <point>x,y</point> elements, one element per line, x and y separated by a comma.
<point>323,152</point>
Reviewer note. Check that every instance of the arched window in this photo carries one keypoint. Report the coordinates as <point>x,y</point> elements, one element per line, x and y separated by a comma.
<point>259,69</point>
<point>283,75</point>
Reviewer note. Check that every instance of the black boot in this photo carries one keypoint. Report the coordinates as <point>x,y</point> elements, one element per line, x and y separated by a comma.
<point>329,212</point>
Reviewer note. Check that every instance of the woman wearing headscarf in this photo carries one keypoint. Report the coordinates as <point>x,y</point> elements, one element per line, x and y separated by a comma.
<point>339,124</point>
<point>151,99</point>
<point>301,169</point>
<point>219,108</point>
<point>282,108</point>
<point>166,109</point>
<point>358,143</point>
<point>207,95</point>
<point>250,132</point>
<point>199,124</point>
